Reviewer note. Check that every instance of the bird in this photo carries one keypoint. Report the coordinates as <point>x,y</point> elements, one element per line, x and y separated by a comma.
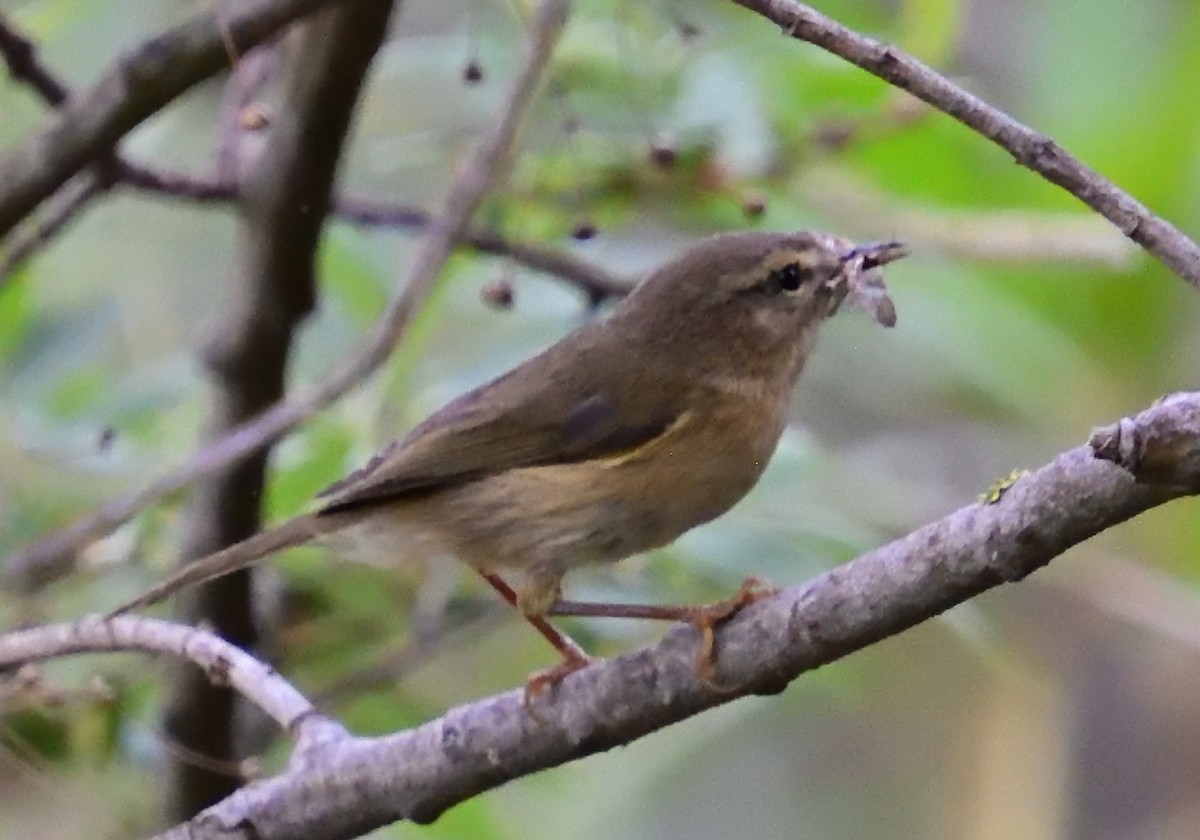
<point>615,440</point>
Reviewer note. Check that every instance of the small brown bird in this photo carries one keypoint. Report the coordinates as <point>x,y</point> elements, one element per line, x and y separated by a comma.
<point>615,440</point>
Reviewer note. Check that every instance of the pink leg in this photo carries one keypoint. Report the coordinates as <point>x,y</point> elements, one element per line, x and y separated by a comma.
<point>705,617</point>
<point>573,656</point>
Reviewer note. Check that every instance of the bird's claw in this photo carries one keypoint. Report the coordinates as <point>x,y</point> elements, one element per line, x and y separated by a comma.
<point>708,617</point>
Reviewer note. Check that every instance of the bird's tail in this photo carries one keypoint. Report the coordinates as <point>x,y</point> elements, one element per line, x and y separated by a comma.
<point>295,531</point>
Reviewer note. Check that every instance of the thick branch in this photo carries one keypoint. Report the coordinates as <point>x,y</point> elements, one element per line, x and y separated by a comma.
<point>349,786</point>
<point>1158,446</point>
<point>51,556</point>
<point>1031,149</point>
<point>286,198</point>
<point>142,82</point>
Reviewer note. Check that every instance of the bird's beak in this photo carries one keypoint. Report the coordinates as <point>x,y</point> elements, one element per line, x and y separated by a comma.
<point>875,254</point>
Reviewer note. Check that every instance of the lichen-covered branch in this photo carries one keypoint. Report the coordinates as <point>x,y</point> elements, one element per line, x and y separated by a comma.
<point>350,785</point>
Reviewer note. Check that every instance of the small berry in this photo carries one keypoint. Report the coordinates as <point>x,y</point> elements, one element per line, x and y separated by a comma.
<point>754,205</point>
<point>583,230</point>
<point>499,293</point>
<point>663,153</point>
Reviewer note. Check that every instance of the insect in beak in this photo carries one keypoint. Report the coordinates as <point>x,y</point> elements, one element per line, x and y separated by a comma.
<point>875,254</point>
<point>864,285</point>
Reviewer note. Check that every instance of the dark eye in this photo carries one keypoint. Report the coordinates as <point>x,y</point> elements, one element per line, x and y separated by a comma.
<point>788,278</point>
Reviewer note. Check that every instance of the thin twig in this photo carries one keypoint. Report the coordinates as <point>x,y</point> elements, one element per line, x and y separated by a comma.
<point>61,209</point>
<point>597,283</point>
<point>74,196</point>
<point>356,784</point>
<point>23,65</point>
<point>593,280</point>
<point>177,184</point>
<point>221,661</point>
<point>1030,148</point>
<point>52,556</point>
<point>141,82</point>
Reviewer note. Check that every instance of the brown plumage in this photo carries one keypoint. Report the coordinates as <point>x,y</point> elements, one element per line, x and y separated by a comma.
<point>615,440</point>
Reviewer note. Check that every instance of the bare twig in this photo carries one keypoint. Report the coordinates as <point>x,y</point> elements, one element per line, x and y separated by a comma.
<point>597,283</point>
<point>594,281</point>
<point>1030,148</point>
<point>23,65</point>
<point>68,202</point>
<point>88,125</point>
<point>52,556</point>
<point>60,210</point>
<point>286,194</point>
<point>221,661</point>
<point>355,784</point>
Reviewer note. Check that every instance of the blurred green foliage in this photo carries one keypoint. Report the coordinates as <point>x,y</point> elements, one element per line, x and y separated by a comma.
<point>995,364</point>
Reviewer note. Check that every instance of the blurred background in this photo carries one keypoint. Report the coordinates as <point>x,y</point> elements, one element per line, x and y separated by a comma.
<point>1065,707</point>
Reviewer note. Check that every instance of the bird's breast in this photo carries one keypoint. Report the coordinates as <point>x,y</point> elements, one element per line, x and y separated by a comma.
<point>603,509</point>
<point>705,463</point>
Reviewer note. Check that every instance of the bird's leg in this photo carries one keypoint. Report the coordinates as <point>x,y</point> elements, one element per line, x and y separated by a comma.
<point>705,617</point>
<point>573,656</point>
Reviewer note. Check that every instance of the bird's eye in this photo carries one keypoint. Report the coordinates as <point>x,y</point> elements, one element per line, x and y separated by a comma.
<point>787,278</point>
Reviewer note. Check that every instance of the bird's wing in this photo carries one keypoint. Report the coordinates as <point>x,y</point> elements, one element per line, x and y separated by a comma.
<point>532,416</point>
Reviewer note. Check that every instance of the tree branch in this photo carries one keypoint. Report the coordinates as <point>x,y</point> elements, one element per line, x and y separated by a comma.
<point>24,66</point>
<point>1030,148</point>
<point>347,786</point>
<point>59,211</point>
<point>1156,447</point>
<point>596,282</point>
<point>221,662</point>
<point>21,57</point>
<point>53,555</point>
<point>88,125</point>
<point>286,197</point>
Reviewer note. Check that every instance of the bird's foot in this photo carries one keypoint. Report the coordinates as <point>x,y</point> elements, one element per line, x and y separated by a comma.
<point>706,618</point>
